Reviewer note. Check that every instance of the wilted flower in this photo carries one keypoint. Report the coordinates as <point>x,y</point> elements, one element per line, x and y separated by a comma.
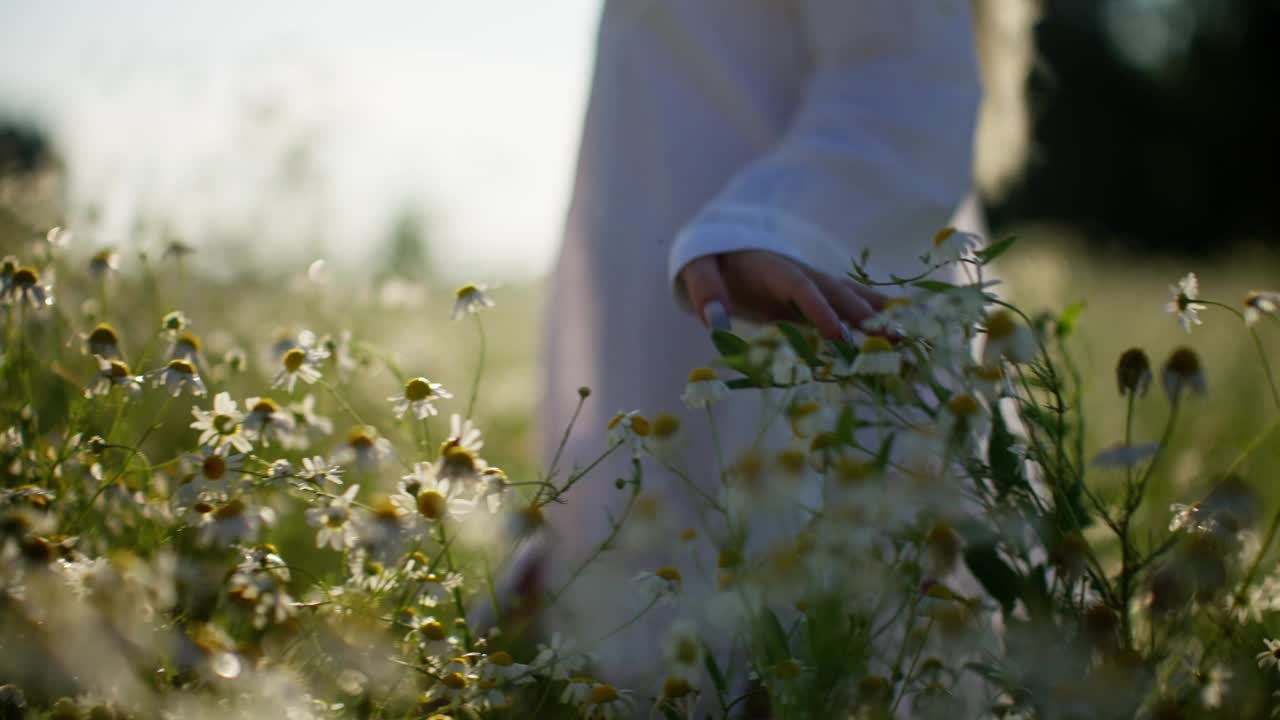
<point>1183,301</point>
<point>1133,372</point>
<point>878,357</point>
<point>419,395</point>
<point>1007,338</point>
<point>1182,370</point>
<point>470,299</point>
<point>704,388</point>
<point>1258,303</point>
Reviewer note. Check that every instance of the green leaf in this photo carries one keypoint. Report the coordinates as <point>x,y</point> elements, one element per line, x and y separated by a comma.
<point>847,425</point>
<point>776,647</point>
<point>743,383</point>
<point>934,285</point>
<point>800,343</point>
<point>713,669</point>
<point>1006,466</point>
<point>991,252</point>
<point>1069,318</point>
<point>729,344</point>
<point>997,578</point>
<point>669,712</point>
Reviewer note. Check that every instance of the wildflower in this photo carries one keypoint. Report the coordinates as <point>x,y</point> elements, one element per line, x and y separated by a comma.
<point>427,493</point>
<point>682,649</point>
<point>178,375</point>
<point>216,469</point>
<point>307,422</point>
<point>334,521</point>
<point>1133,372</point>
<point>174,323</point>
<point>805,416</point>
<point>23,287</point>
<point>464,434</point>
<point>1007,338</point>
<point>606,702</point>
<point>1182,370</point>
<point>1270,658</point>
<point>299,363</point>
<point>364,448</point>
<point>104,261</point>
<point>704,388</point>
<point>494,488</point>
<point>235,521</point>
<point>1258,303</point>
<point>664,436</point>
<point>419,395</point>
<point>263,588</point>
<point>266,420</point>
<point>1182,301</point>
<point>104,341</point>
<point>236,359</point>
<point>963,414</point>
<point>317,470</point>
<point>628,428</point>
<point>500,667</point>
<point>455,682</point>
<point>220,427</point>
<point>470,299</point>
<point>557,659</point>
<point>577,691</point>
<point>429,633</point>
<point>877,358</point>
<point>58,237</point>
<point>1125,455</point>
<point>987,381</point>
<point>112,373</point>
<point>663,583</point>
<point>950,245</point>
<point>186,346</point>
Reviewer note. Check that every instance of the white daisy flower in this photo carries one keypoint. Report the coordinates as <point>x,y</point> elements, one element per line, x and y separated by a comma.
<point>456,683</point>
<point>1183,301</point>
<point>425,493</point>
<point>704,388</point>
<point>1258,303</point>
<point>220,427</point>
<point>103,340</point>
<point>469,299</point>
<point>682,649</point>
<point>317,470</point>
<point>500,667</point>
<point>878,357</point>
<point>629,428</point>
<point>173,323</point>
<point>419,395</point>
<point>607,702</point>
<point>577,691</point>
<point>23,287</point>
<point>963,415</point>
<point>103,262</point>
<point>179,375</point>
<point>663,584</point>
<point>807,416</point>
<point>111,374</point>
<point>1270,658</point>
<point>265,420</point>
<point>464,434</point>
<point>216,470</point>
<point>334,520</point>
<point>363,448</point>
<point>235,521</point>
<point>665,439</point>
<point>558,658</point>
<point>300,363</point>
<point>186,346</point>
<point>951,245</point>
<point>1182,370</point>
<point>429,634</point>
<point>1007,338</point>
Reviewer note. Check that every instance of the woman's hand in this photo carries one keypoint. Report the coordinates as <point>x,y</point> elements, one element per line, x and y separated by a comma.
<point>765,287</point>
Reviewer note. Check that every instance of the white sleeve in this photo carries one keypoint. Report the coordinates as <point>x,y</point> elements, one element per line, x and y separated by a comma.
<point>878,152</point>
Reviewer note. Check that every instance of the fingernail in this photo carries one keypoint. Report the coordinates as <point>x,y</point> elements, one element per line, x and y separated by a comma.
<point>846,334</point>
<point>716,317</point>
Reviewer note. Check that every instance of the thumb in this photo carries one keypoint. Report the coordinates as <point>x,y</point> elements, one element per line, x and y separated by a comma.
<point>707,292</point>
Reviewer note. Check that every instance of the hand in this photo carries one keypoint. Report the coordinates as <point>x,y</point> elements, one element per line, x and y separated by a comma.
<point>766,287</point>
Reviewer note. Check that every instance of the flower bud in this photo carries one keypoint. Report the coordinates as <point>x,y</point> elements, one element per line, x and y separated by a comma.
<point>1133,372</point>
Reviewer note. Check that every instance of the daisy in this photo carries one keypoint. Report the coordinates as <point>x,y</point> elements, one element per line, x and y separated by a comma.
<point>704,388</point>
<point>419,395</point>
<point>265,420</point>
<point>662,584</point>
<point>334,520</point>
<point>363,448</point>
<point>878,357</point>
<point>456,681</point>
<point>963,416</point>
<point>1183,301</point>
<point>1270,658</point>
<point>104,341</point>
<point>23,287</point>
<point>469,299</point>
<point>951,245</point>
<point>424,492</point>
<point>186,346</point>
<point>429,634</point>
<point>607,703</point>
<point>1182,370</point>
<point>464,434</point>
<point>103,262</point>
<point>220,427</point>
<point>664,439</point>
<point>173,323</point>
<point>216,470</point>
<point>317,470</point>
<point>178,375</point>
<point>1258,303</point>
<point>112,373</point>
<point>629,428</point>
<point>233,522</point>
<point>494,488</point>
<point>558,658</point>
<point>299,363</point>
<point>577,691</point>
<point>1008,339</point>
<point>682,649</point>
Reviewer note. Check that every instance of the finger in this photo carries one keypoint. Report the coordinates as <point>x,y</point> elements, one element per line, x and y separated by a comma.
<point>707,292</point>
<point>875,299</point>
<point>851,306</point>
<point>795,287</point>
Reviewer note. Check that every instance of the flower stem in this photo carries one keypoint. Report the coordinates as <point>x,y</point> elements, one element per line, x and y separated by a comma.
<point>475,382</point>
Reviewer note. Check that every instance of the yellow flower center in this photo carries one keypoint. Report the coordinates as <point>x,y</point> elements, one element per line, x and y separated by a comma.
<point>851,472</point>
<point>669,574</point>
<point>118,370</point>
<point>104,334</point>
<point>454,681</point>
<point>222,423</point>
<point>466,291</point>
<point>26,276</point>
<point>501,658</point>
<point>233,509</point>
<point>791,461</point>
<point>432,505</point>
<point>1000,324</point>
<point>214,467</point>
<point>876,344</point>
<point>702,374</point>
<point>963,406</point>
<point>602,694</point>
<point>688,534</point>
<point>676,687</point>
<point>188,342</point>
<point>942,235</point>
<point>898,301</point>
<point>433,631</point>
<point>264,407</point>
<point>293,359</point>
<point>687,650</point>
<point>417,389</point>
<point>182,366</point>
<point>360,440</point>
<point>458,461</point>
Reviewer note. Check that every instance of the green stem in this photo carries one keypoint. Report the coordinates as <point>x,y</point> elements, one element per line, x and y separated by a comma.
<point>475,383</point>
<point>1257,344</point>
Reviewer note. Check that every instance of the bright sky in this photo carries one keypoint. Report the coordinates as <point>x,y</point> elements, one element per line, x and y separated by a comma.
<point>467,110</point>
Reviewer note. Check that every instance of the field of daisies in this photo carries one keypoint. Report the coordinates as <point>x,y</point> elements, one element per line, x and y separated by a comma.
<point>293,497</point>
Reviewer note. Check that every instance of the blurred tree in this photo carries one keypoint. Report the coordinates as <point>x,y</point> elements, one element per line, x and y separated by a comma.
<point>1155,123</point>
<point>407,251</point>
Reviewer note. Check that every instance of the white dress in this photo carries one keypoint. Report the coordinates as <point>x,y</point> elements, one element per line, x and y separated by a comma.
<point>810,128</point>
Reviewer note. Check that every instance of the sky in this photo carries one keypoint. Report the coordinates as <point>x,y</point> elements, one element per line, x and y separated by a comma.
<point>304,128</point>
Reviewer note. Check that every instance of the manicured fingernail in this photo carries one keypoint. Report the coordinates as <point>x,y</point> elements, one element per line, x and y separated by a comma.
<point>716,317</point>
<point>846,334</point>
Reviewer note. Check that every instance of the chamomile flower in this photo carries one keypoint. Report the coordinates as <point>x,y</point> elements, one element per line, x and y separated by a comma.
<point>469,299</point>
<point>1182,370</point>
<point>1258,303</point>
<point>1007,338</point>
<point>951,245</point>
<point>112,374</point>
<point>215,470</point>
<point>220,427</point>
<point>558,659</point>
<point>173,323</point>
<point>300,363</point>
<point>104,262</point>
<point>234,521</point>
<point>1182,301</point>
<point>464,434</point>
<point>704,388</point>
<point>683,650</point>
<point>265,421</point>
<point>179,375</point>
<point>319,471</point>
<point>628,428</point>
<point>429,634</point>
<point>456,682</point>
<point>103,340</point>
<point>419,395</point>
<point>661,584</point>
<point>963,416</point>
<point>23,288</point>
<point>364,448</point>
<point>425,493</point>
<point>186,346</point>
<point>878,357</point>
<point>333,518</point>
<point>1269,658</point>
<point>606,702</point>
